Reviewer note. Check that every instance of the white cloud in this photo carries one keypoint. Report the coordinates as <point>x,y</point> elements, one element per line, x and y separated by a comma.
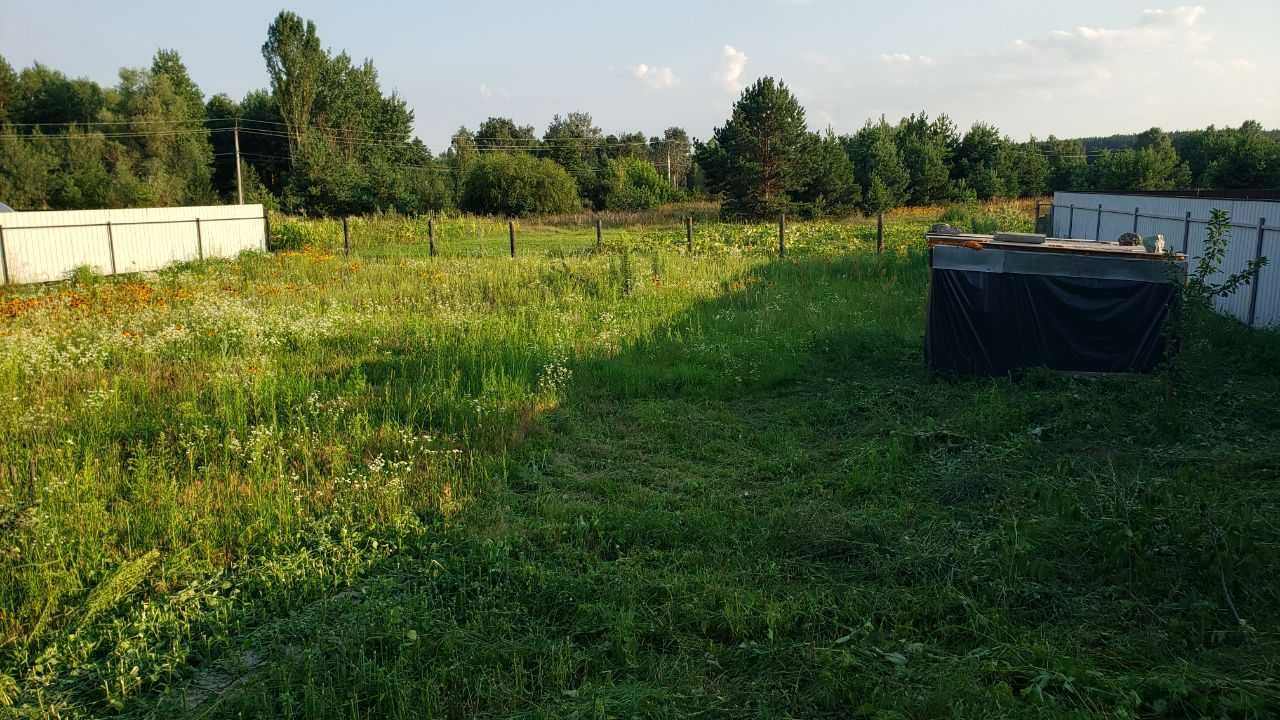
<point>1162,67</point>
<point>1183,16</point>
<point>905,59</point>
<point>485,91</point>
<point>658,78</point>
<point>733,64</point>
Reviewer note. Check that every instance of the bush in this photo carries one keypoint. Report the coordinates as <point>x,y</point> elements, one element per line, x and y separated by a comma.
<point>516,184</point>
<point>634,184</point>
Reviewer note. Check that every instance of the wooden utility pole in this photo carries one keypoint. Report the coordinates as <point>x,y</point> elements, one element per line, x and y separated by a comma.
<point>688,233</point>
<point>669,165</point>
<point>782,235</point>
<point>4,260</point>
<point>599,236</point>
<point>431,237</point>
<point>879,233</point>
<point>511,233</point>
<point>239,184</point>
<point>346,237</point>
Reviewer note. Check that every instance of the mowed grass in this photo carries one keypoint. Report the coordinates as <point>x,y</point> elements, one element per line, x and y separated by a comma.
<point>635,483</point>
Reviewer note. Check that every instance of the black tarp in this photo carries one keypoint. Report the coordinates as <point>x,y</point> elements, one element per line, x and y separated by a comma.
<point>993,323</point>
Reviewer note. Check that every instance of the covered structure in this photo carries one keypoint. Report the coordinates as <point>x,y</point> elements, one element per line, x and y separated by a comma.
<point>1000,305</point>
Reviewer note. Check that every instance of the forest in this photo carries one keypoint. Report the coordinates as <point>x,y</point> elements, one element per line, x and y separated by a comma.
<point>325,139</point>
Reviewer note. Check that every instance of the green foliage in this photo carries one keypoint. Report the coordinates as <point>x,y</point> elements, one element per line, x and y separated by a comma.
<point>1201,288</point>
<point>518,184</point>
<point>634,184</point>
<point>756,161</point>
<point>1152,165</point>
<point>925,149</point>
<point>499,134</point>
<point>296,65</point>
<point>878,168</point>
<point>8,93</point>
<point>830,187</point>
<point>116,586</point>
<point>1247,157</point>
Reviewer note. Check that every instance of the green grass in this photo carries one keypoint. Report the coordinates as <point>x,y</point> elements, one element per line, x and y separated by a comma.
<point>635,483</point>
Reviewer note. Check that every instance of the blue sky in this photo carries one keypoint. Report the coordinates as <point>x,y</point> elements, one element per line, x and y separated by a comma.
<point>1068,68</point>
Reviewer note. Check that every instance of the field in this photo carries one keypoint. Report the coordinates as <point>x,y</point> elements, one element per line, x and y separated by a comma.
<point>637,482</point>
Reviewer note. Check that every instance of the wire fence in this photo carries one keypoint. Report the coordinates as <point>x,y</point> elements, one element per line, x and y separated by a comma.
<point>1258,306</point>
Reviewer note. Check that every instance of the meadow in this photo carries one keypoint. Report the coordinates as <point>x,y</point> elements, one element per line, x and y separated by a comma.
<point>625,482</point>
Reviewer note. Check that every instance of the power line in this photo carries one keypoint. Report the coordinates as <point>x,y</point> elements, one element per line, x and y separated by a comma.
<point>111,135</point>
<point>121,122</point>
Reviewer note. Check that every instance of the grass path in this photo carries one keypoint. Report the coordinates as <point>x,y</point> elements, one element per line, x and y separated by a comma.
<point>844,538</point>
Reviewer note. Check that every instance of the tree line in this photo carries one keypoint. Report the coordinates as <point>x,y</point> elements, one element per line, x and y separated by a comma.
<point>324,139</point>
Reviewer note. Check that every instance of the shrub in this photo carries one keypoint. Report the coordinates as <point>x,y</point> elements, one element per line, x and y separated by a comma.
<point>634,184</point>
<point>517,184</point>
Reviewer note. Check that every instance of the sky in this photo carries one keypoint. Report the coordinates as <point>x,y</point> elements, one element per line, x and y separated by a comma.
<point>1079,68</point>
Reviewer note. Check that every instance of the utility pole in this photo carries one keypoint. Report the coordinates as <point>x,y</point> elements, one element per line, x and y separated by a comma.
<point>239,184</point>
<point>669,164</point>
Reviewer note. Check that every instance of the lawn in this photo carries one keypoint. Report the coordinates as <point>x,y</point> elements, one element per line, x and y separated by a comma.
<point>629,483</point>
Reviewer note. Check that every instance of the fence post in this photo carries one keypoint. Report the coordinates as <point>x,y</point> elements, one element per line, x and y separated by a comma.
<point>1053,228</point>
<point>199,241</point>
<point>599,235</point>
<point>782,235</point>
<point>688,233</point>
<point>431,237</point>
<point>266,230</point>
<point>1036,223</point>
<point>4,257</point>
<point>111,247</point>
<point>511,233</point>
<point>1071,222</point>
<point>1135,221</point>
<point>879,233</point>
<point>1097,234</point>
<point>1257,254</point>
<point>1186,234</point>
<point>346,237</point>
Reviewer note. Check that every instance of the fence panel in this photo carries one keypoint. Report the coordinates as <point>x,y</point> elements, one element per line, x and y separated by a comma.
<point>1167,216</point>
<point>45,246</point>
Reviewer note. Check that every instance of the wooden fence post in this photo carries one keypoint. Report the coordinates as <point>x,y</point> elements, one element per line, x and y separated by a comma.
<point>1036,223</point>
<point>1257,254</point>
<point>599,236</point>
<point>1071,222</point>
<point>431,237</point>
<point>111,247</point>
<point>782,235</point>
<point>1186,234</point>
<point>511,233</point>
<point>346,237</point>
<point>4,257</point>
<point>1135,220</point>
<point>199,241</point>
<point>880,233</point>
<point>688,233</point>
<point>1097,234</point>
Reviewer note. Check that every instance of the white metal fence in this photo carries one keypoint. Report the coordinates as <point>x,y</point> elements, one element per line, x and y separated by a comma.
<point>44,246</point>
<point>1255,233</point>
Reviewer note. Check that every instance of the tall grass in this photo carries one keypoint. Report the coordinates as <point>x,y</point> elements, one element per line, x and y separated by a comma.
<point>640,481</point>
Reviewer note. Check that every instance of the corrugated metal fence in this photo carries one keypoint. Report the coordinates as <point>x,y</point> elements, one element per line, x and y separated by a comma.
<point>45,246</point>
<point>1255,232</point>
